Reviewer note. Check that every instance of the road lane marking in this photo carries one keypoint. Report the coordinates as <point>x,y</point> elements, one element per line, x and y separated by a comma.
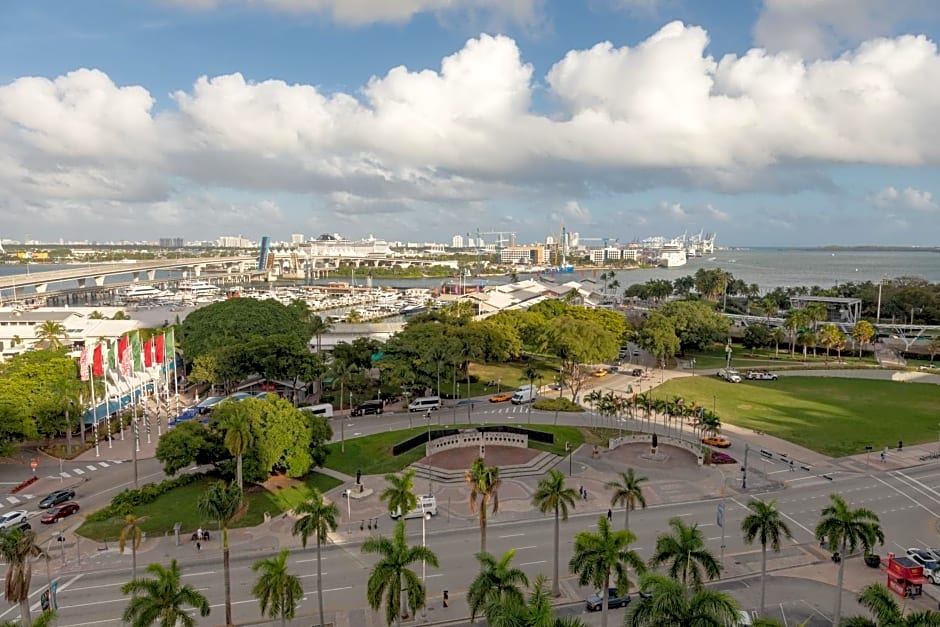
<point>208,572</point>
<point>104,464</point>
<point>924,486</point>
<point>65,474</point>
<point>13,500</point>
<point>532,563</point>
<point>79,471</point>
<point>310,575</point>
<point>90,467</point>
<point>523,548</point>
<point>63,587</point>
<point>94,622</point>
<point>512,535</point>
<point>790,518</point>
<point>67,607</point>
<point>907,496</point>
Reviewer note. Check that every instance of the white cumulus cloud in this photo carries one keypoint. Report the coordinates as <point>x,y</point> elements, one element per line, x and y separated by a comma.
<point>907,199</point>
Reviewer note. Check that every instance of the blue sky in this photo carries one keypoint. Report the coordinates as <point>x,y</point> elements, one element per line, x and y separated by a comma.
<point>771,122</point>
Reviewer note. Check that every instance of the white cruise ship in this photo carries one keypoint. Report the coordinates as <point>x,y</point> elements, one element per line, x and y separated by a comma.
<point>672,254</point>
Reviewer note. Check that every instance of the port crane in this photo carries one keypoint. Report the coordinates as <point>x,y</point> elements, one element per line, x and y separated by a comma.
<point>503,238</point>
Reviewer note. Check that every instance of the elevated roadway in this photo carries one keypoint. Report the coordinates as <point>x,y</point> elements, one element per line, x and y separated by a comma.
<point>82,274</point>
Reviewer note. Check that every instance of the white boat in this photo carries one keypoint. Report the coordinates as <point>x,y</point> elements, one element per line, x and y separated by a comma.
<point>142,292</point>
<point>672,255</point>
<point>198,288</point>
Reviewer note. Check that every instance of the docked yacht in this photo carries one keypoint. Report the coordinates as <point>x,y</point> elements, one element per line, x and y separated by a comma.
<point>197,288</point>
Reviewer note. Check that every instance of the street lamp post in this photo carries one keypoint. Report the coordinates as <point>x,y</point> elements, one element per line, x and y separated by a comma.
<point>425,516</point>
<point>728,353</point>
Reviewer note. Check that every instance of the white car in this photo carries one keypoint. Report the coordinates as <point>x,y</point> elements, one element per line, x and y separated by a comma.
<point>761,375</point>
<point>926,559</point>
<point>13,519</point>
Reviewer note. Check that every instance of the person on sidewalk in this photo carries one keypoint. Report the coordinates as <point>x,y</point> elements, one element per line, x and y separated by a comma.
<point>198,546</point>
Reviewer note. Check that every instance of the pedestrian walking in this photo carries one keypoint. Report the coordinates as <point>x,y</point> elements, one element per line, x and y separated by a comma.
<point>585,494</point>
<point>610,514</point>
<point>581,491</point>
<point>882,457</point>
<point>198,546</point>
<point>791,466</point>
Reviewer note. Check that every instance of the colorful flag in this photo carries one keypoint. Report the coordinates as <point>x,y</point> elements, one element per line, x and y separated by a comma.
<point>112,356</point>
<point>124,356</point>
<point>83,364</point>
<point>148,353</point>
<point>169,347</point>
<point>136,352</point>
<point>159,346</point>
<point>97,361</point>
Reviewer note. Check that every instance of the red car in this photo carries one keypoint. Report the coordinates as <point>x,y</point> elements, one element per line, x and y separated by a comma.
<point>58,512</point>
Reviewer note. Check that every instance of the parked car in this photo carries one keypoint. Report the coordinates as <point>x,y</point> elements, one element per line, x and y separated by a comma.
<point>595,602</point>
<point>637,372</point>
<point>54,498</point>
<point>501,398</point>
<point>730,374</point>
<point>13,519</point>
<point>718,441</point>
<point>926,559</point>
<point>761,375</point>
<point>22,526</point>
<point>368,407</point>
<point>59,512</point>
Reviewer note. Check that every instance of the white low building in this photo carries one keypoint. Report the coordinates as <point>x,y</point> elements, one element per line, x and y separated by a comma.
<point>18,326</point>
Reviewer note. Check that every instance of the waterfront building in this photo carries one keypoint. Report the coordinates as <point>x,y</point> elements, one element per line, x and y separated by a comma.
<point>456,241</point>
<point>18,326</point>
<point>523,254</point>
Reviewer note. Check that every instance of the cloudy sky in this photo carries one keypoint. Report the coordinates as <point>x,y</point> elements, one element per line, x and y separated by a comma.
<point>771,122</point>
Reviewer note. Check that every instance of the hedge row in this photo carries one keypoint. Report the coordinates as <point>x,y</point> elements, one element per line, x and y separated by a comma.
<point>125,502</point>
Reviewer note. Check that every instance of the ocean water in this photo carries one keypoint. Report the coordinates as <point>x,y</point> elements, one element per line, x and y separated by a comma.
<point>767,267</point>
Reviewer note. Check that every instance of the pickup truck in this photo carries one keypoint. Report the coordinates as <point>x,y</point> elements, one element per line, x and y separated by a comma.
<point>729,374</point>
<point>761,375</point>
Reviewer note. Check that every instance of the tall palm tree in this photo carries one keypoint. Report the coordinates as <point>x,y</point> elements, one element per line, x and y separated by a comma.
<point>498,582</point>
<point>341,372</point>
<point>598,555</point>
<point>628,491</point>
<point>399,494</point>
<point>537,611</point>
<point>52,333</point>
<point>671,603</point>
<point>319,327</point>
<point>17,547</point>
<point>391,576</point>
<point>881,602</point>
<point>551,495</point>
<point>163,599</point>
<point>765,524</point>
<point>221,502</point>
<point>131,532</point>
<point>484,482</point>
<point>278,592</point>
<point>847,529</point>
<point>238,436</point>
<point>317,518</point>
<point>685,553</point>
<point>793,320</point>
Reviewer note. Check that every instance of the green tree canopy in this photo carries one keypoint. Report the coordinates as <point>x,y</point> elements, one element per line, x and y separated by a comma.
<point>696,322</point>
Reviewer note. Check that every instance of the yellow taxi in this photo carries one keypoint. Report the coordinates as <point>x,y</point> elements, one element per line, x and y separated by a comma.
<point>600,372</point>
<point>501,398</point>
<point>718,441</point>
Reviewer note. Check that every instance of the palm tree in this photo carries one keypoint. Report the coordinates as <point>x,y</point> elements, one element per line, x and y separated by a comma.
<point>862,333</point>
<point>319,327</point>
<point>778,335</point>
<point>684,550</point>
<point>552,495</point>
<point>598,555</point>
<point>536,612</point>
<point>221,502</point>
<point>341,372</point>
<point>131,532</point>
<point>317,518</point>
<point>391,576</point>
<point>671,603</point>
<point>163,599</point>
<point>498,582</point>
<point>881,602</point>
<point>793,321</point>
<point>484,482</point>
<point>278,592</point>
<point>847,529</point>
<point>765,524</point>
<point>238,436</point>
<point>52,333</point>
<point>17,547</point>
<point>399,495</point>
<point>628,491</point>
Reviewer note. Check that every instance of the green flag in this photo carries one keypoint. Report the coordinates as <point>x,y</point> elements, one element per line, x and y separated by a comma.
<point>137,352</point>
<point>112,356</point>
<point>169,346</point>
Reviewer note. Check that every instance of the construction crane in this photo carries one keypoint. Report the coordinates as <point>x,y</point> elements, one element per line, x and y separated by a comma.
<point>503,238</point>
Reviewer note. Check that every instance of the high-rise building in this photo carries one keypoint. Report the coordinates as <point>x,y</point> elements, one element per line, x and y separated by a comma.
<point>171,242</point>
<point>297,238</point>
<point>457,241</point>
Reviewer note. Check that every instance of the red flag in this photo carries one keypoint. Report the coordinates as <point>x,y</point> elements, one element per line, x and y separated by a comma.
<point>148,353</point>
<point>159,349</point>
<point>124,356</point>
<point>97,362</point>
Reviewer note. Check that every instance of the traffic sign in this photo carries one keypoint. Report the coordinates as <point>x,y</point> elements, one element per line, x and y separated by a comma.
<point>720,515</point>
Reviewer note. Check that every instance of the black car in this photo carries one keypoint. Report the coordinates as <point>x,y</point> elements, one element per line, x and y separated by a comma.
<point>59,496</point>
<point>595,602</point>
<point>368,407</point>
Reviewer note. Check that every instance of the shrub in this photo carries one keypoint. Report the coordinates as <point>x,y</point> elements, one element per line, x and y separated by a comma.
<point>125,502</point>
<point>722,458</point>
<point>556,404</point>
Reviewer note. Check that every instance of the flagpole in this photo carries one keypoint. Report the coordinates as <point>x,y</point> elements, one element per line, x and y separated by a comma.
<point>94,410</point>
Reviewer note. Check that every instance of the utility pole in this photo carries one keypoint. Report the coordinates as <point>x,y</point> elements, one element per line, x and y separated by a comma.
<point>744,468</point>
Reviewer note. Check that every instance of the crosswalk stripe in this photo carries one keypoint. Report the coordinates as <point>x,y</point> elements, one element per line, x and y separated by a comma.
<point>116,461</point>
<point>78,471</point>
<point>103,464</point>
<point>90,467</point>
<point>65,474</point>
<point>13,499</point>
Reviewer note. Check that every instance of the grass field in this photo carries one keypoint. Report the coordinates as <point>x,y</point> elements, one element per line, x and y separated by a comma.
<point>744,358</point>
<point>833,416</point>
<point>179,505</point>
<point>373,453</point>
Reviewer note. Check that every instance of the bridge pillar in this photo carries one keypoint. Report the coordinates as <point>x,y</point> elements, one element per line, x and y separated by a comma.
<point>151,275</point>
<point>81,282</point>
<point>135,276</point>
<point>41,288</point>
<point>197,270</point>
<point>99,280</point>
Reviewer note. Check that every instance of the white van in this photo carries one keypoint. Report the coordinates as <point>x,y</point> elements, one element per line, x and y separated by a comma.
<point>525,394</point>
<point>429,504</point>
<point>323,409</point>
<point>425,403</point>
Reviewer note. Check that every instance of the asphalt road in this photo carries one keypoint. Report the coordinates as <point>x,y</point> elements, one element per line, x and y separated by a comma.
<point>908,503</point>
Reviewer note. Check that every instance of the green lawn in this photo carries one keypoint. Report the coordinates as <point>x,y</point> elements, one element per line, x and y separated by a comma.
<point>510,376</point>
<point>743,358</point>
<point>179,505</point>
<point>373,453</point>
<point>833,416</point>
